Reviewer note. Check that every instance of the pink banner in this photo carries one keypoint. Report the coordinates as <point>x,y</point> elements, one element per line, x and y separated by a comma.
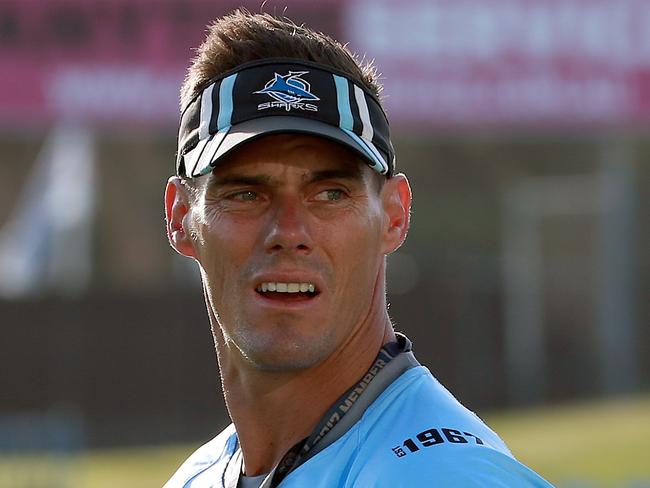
<point>549,64</point>
<point>111,62</point>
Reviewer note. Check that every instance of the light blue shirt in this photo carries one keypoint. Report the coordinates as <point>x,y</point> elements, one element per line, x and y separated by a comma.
<point>414,434</point>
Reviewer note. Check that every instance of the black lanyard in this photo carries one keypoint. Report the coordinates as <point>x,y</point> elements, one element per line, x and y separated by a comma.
<point>300,452</point>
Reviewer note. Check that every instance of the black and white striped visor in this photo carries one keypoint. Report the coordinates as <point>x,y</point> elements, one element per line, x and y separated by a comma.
<point>281,96</point>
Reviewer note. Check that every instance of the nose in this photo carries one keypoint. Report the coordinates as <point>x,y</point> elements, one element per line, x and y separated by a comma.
<point>288,227</point>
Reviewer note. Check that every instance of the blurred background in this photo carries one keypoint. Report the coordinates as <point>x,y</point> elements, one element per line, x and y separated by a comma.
<point>524,284</point>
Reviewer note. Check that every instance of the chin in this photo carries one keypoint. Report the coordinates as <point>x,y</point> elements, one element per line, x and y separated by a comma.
<point>279,361</point>
<point>285,355</point>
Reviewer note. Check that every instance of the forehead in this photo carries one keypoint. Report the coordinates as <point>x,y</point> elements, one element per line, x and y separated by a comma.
<point>292,153</point>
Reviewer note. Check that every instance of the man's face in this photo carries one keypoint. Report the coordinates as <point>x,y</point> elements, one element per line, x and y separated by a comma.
<point>288,235</point>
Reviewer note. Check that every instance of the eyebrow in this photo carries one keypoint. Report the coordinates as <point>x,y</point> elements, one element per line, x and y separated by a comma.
<point>349,173</point>
<point>235,179</point>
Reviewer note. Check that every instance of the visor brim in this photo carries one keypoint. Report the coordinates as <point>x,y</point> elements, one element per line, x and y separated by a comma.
<point>222,143</point>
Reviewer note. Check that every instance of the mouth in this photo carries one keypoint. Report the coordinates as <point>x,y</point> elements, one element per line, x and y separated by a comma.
<point>287,292</point>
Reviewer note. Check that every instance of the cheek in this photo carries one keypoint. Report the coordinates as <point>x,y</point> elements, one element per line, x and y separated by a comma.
<point>225,247</point>
<point>224,261</point>
<point>359,250</point>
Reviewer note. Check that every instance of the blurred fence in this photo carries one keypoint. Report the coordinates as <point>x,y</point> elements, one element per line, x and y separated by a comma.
<point>135,371</point>
<point>133,350</point>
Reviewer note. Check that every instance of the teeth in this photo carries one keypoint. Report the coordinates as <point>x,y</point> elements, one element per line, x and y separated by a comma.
<point>286,287</point>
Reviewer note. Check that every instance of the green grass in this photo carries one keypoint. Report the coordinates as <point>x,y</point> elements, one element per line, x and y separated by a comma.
<point>605,444</point>
<point>110,468</point>
<point>601,445</point>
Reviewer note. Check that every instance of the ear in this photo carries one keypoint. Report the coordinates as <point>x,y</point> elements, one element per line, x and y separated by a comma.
<point>396,199</point>
<point>177,206</point>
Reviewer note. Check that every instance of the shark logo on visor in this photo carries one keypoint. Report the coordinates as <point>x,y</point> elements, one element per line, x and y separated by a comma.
<point>289,91</point>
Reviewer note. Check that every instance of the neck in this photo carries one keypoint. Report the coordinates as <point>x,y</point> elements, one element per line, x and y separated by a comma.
<point>272,411</point>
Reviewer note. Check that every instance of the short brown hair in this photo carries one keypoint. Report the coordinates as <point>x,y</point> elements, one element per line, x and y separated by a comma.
<point>242,36</point>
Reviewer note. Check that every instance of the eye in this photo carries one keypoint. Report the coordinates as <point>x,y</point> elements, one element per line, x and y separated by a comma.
<point>330,195</point>
<point>244,196</point>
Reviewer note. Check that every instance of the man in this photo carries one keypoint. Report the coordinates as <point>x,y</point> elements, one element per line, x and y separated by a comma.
<point>286,196</point>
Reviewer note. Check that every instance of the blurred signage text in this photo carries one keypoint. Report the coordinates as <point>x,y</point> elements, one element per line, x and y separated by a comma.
<point>465,63</point>
<point>113,61</point>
